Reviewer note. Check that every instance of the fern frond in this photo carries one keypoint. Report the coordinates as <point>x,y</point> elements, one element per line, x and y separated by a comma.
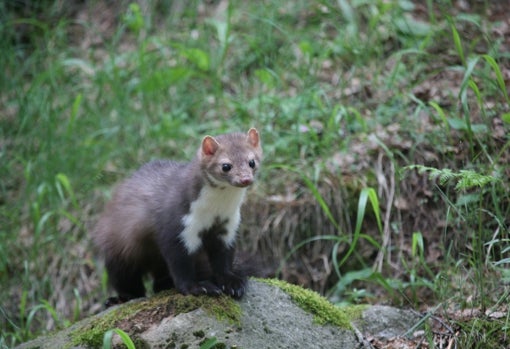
<point>445,175</point>
<point>464,179</point>
<point>469,179</point>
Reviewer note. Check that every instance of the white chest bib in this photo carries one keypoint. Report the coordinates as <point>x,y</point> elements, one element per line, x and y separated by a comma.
<point>212,204</point>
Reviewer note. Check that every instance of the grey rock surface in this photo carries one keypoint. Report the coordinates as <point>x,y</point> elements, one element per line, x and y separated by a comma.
<point>270,319</point>
<point>386,322</point>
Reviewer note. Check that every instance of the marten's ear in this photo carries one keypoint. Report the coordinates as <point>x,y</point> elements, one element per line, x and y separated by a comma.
<point>253,137</point>
<point>209,146</point>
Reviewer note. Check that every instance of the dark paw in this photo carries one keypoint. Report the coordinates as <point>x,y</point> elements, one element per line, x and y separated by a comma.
<point>201,288</point>
<point>110,302</point>
<point>232,285</point>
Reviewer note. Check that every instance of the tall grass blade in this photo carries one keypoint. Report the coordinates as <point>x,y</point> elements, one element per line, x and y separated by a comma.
<point>42,222</point>
<point>63,182</point>
<point>45,305</point>
<point>315,192</point>
<point>470,67</point>
<point>457,42</point>
<point>108,338</point>
<point>417,245</point>
<point>474,87</point>
<point>338,239</point>
<point>381,280</point>
<point>443,118</point>
<point>499,76</point>
<point>223,29</point>
<point>348,13</point>
<point>78,304</point>
<point>74,112</point>
<point>367,194</point>
<point>464,100</point>
<point>334,253</point>
<point>324,206</point>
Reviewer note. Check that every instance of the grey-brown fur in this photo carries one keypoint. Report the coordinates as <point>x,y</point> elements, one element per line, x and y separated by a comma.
<point>140,229</point>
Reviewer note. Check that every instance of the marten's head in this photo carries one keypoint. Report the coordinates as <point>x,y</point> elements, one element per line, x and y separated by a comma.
<point>231,159</point>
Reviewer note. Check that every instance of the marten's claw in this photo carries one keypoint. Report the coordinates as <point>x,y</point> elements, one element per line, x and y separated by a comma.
<point>202,288</point>
<point>232,285</point>
<point>239,293</point>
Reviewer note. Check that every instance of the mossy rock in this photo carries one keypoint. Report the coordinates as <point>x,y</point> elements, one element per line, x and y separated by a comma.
<point>272,314</point>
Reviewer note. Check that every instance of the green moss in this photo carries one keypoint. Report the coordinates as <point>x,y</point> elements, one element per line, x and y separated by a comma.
<point>92,334</point>
<point>223,308</point>
<point>324,312</point>
<point>199,334</point>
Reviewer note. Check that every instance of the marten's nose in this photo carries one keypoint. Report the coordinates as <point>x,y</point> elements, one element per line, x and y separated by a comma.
<point>244,182</point>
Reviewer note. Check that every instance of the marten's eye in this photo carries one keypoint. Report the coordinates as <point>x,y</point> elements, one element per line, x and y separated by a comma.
<point>251,163</point>
<point>226,167</point>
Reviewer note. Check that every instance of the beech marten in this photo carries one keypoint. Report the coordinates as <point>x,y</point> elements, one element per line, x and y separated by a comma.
<point>177,221</point>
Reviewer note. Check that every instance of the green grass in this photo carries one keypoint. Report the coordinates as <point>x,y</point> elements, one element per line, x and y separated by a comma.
<point>346,94</point>
<point>108,338</point>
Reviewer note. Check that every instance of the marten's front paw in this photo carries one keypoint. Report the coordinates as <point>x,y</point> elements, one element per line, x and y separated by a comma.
<point>232,284</point>
<point>200,288</point>
<point>110,302</point>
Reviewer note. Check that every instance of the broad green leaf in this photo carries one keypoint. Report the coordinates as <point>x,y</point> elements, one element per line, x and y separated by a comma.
<point>411,26</point>
<point>196,56</point>
<point>209,343</point>
<point>266,77</point>
<point>133,18</point>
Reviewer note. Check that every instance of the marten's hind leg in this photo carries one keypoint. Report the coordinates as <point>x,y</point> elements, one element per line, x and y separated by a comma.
<point>126,280</point>
<point>161,276</point>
